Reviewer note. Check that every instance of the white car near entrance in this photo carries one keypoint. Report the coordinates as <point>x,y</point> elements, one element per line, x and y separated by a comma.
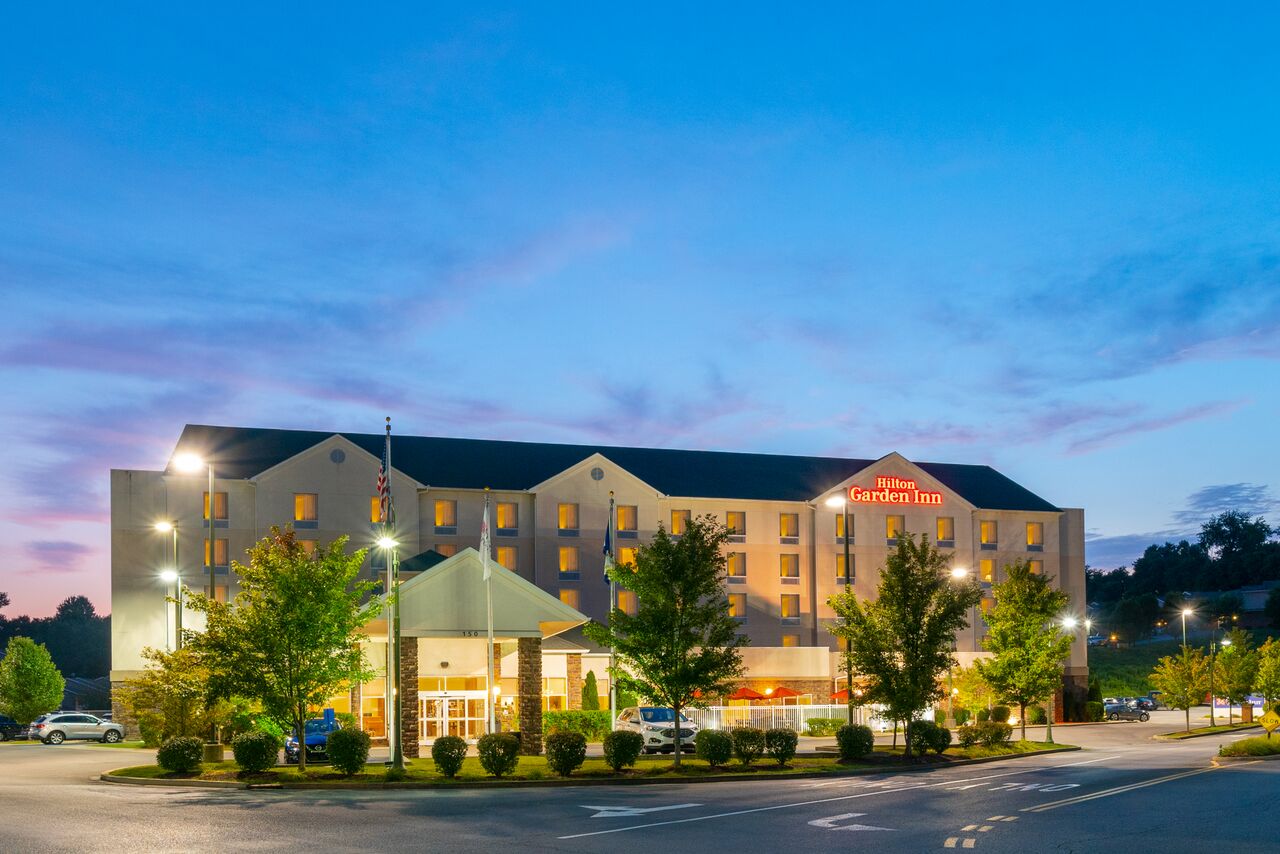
<point>657,726</point>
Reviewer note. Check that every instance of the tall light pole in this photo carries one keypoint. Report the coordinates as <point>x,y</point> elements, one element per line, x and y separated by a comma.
<point>189,463</point>
<point>843,503</point>
<point>957,573</point>
<point>1068,623</point>
<point>174,574</point>
<point>1186,612</point>
<point>393,631</point>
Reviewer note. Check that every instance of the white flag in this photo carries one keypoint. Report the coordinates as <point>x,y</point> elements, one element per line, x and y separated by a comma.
<point>485,548</point>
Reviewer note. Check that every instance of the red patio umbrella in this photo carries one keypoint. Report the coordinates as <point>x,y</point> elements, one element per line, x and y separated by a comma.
<point>745,693</point>
<point>784,691</point>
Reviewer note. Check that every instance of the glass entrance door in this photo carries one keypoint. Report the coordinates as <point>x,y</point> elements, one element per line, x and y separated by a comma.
<point>462,714</point>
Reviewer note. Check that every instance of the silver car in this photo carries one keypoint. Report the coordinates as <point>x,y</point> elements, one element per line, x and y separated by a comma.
<point>657,727</point>
<point>63,726</point>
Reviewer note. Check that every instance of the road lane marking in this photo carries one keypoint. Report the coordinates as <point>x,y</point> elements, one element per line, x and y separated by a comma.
<point>951,842</point>
<point>620,811</point>
<point>830,822</point>
<point>985,828</point>
<point>824,800</point>
<point>969,843</point>
<point>1120,790</point>
<point>969,827</point>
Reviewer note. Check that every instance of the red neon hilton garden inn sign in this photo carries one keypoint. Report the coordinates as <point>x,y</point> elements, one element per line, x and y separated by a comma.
<point>894,490</point>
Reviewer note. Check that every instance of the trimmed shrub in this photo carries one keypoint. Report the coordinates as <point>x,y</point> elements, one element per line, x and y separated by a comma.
<point>1259,746</point>
<point>823,726</point>
<point>590,693</point>
<point>255,751</point>
<point>984,715</point>
<point>781,743</point>
<point>968,735</point>
<point>748,743</point>
<point>566,751</point>
<point>1036,715</point>
<point>855,741</point>
<point>622,749</point>
<point>927,735</point>
<point>1000,714</point>
<point>348,750</point>
<point>714,746</point>
<point>499,753</point>
<point>994,733</point>
<point>347,720</point>
<point>1095,689</point>
<point>448,752</point>
<point>962,717</point>
<point>593,725</point>
<point>1094,711</point>
<point>181,754</point>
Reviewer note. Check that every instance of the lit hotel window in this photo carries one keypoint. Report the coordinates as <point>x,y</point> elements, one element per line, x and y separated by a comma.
<point>627,516</point>
<point>446,513</point>
<point>736,567</point>
<point>736,522</point>
<point>308,546</point>
<point>988,534</point>
<point>446,549</point>
<point>893,526</point>
<point>790,640</point>
<point>219,592</point>
<point>627,556</point>
<point>987,604</point>
<point>219,506</point>
<point>627,602</point>
<point>679,521</point>
<point>507,557</point>
<point>738,606</point>
<point>789,567</point>
<point>568,561</point>
<point>507,516</point>
<point>790,608</point>
<point>1035,536</point>
<point>840,525</point>
<point>946,529</point>
<point>567,520</point>
<point>219,552</point>
<point>788,525</point>
<point>1036,566</point>
<point>375,509</point>
<point>842,577</point>
<point>569,596</point>
<point>987,570</point>
<point>304,507</point>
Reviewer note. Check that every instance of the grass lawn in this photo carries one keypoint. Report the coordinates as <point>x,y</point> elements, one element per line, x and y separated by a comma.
<point>1126,672</point>
<point>1205,730</point>
<point>535,768</point>
<point>1260,746</point>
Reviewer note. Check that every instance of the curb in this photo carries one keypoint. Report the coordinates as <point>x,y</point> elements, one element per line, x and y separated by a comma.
<point>1183,736</point>
<point>585,781</point>
<point>1221,761</point>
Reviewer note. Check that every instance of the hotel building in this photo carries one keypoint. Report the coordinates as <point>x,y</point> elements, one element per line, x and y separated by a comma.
<point>550,511</point>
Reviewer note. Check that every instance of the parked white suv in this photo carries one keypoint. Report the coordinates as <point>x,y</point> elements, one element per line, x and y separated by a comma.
<point>657,726</point>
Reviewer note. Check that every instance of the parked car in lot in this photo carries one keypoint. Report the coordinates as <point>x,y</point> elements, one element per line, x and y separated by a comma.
<point>9,728</point>
<point>1125,712</point>
<point>316,738</point>
<point>1145,703</point>
<point>66,726</point>
<point>657,726</point>
<point>1097,640</point>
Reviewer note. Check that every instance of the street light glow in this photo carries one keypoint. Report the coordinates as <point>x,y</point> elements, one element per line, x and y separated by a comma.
<point>164,527</point>
<point>168,576</point>
<point>1226,641</point>
<point>1187,612</point>
<point>188,463</point>
<point>959,572</point>
<point>1068,622</point>
<point>386,543</point>
<point>836,501</point>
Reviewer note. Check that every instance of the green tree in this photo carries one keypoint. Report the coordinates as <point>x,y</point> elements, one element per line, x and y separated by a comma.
<point>590,693</point>
<point>1267,682</point>
<point>172,696</point>
<point>1183,680</point>
<point>681,645</point>
<point>901,642</point>
<point>1028,647</point>
<point>30,683</point>
<point>292,637</point>
<point>974,692</point>
<point>1237,668</point>
<point>1272,608</point>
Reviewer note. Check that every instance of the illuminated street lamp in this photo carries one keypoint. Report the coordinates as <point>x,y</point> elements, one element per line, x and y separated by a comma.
<point>1186,612</point>
<point>390,546</point>
<point>958,573</point>
<point>842,503</point>
<point>173,576</point>
<point>189,463</point>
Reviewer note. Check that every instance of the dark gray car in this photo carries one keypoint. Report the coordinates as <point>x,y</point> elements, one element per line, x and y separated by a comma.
<point>1125,712</point>
<point>67,726</point>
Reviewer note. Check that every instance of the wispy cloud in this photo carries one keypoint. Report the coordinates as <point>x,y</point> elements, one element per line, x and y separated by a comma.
<point>55,556</point>
<point>1252,499</point>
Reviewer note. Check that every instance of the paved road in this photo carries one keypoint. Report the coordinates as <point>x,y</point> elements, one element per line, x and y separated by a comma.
<point>1124,792</point>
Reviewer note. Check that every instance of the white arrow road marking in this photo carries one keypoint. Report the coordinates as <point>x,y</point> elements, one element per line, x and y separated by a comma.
<point>830,822</point>
<point>618,811</point>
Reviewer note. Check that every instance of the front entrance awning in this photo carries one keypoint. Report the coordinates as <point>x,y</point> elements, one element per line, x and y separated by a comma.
<point>448,601</point>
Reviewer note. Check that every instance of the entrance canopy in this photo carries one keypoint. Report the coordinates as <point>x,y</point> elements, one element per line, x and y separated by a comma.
<point>448,601</point>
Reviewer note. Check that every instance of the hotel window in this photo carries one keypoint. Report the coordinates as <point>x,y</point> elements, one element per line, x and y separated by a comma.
<point>627,602</point>
<point>1035,536</point>
<point>843,577</point>
<point>790,640</point>
<point>789,527</point>
<point>738,606</point>
<point>304,509</point>
<point>893,526</point>
<point>446,549</point>
<point>736,522</point>
<point>375,509</point>
<point>569,596</point>
<point>373,707</point>
<point>736,567</point>
<point>446,516</point>
<point>555,694</point>
<point>308,546</point>
<point>568,561</point>
<point>987,570</point>
<point>840,527</point>
<point>219,592</point>
<point>219,506</point>
<point>1036,567</point>
<point>988,534</point>
<point>986,605</point>
<point>627,555</point>
<point>508,518</point>
<point>219,553</point>
<point>946,530</point>
<point>789,568</point>
<point>842,644</point>
<point>627,516</point>
<point>507,557</point>
<point>680,521</point>
<point>790,609</point>
<point>567,520</point>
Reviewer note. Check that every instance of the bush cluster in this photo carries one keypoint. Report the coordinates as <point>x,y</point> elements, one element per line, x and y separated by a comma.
<point>255,751</point>
<point>1000,714</point>
<point>622,749</point>
<point>962,717</point>
<point>984,715</point>
<point>855,741</point>
<point>780,743</point>
<point>448,752</point>
<point>823,726</point>
<point>986,733</point>
<point>181,754</point>
<point>714,746</point>
<point>566,751</point>
<point>1260,746</point>
<point>348,750</point>
<point>499,753</point>
<point>748,744</point>
<point>927,735</point>
<point>594,725</point>
<point>1094,710</point>
<point>1036,715</point>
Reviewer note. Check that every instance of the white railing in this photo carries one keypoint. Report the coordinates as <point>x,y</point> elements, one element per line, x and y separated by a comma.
<point>787,717</point>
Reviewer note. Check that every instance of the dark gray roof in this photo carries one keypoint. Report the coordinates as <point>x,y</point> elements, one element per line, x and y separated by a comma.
<point>243,452</point>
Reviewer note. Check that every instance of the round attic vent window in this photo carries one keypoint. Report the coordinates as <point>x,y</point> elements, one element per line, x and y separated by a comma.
<point>338,455</point>
<point>597,473</point>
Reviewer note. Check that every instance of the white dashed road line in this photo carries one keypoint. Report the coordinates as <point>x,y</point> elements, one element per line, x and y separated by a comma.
<point>1120,790</point>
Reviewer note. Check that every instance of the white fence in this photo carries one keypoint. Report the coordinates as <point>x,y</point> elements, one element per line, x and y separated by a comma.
<point>788,717</point>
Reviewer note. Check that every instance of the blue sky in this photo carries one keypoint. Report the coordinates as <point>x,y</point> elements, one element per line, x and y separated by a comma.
<point>1049,242</point>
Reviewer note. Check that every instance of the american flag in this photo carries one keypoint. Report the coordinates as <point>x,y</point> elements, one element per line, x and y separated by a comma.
<point>485,546</point>
<point>385,513</point>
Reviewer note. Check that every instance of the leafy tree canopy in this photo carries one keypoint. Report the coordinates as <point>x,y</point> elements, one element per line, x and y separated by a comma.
<point>1183,680</point>
<point>30,683</point>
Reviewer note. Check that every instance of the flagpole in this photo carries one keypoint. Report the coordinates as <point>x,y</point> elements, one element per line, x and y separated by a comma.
<point>393,573</point>
<point>609,562</point>
<point>485,547</point>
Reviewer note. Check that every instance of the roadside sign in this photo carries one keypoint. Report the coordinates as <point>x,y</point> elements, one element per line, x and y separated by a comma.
<point>1270,721</point>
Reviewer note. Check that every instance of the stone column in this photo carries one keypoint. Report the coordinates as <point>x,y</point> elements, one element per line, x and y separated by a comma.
<point>529,652</point>
<point>573,669</point>
<point>356,699</point>
<point>409,697</point>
